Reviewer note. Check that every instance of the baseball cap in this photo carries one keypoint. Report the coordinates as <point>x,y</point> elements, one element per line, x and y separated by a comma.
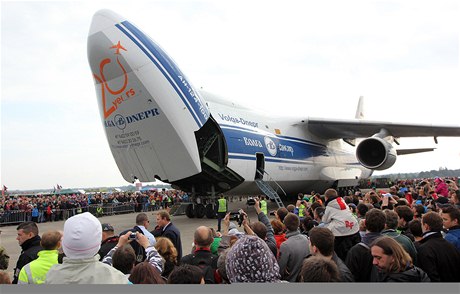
<point>107,227</point>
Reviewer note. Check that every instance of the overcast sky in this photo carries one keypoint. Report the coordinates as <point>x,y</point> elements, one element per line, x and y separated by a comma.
<point>309,58</point>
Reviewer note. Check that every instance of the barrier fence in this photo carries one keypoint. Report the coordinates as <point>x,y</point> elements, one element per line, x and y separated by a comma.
<point>10,217</point>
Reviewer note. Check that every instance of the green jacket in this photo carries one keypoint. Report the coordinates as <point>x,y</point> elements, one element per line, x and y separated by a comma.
<point>35,271</point>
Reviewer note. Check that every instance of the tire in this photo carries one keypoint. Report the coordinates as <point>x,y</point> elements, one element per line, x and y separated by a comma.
<point>200,210</point>
<point>210,213</point>
<point>189,211</point>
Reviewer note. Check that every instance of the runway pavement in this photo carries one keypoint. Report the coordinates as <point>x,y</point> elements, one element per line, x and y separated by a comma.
<point>121,222</point>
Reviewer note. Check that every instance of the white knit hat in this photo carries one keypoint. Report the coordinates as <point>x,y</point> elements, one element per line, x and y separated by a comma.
<point>82,236</point>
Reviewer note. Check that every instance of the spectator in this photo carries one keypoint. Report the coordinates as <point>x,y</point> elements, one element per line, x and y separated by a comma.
<point>165,228</point>
<point>123,258</point>
<point>405,216</point>
<point>29,240</point>
<point>217,237</point>
<point>263,228</point>
<point>415,228</point>
<point>451,221</point>
<point>391,223</point>
<point>4,278</point>
<point>418,210</point>
<point>322,244</point>
<point>221,270</point>
<point>145,273</point>
<point>455,199</point>
<point>109,240</point>
<point>250,260</point>
<point>186,274</point>
<point>306,224</point>
<point>441,187</point>
<point>35,271</point>
<point>281,213</point>
<point>319,269</point>
<point>81,242</point>
<point>394,263</point>
<point>436,256</point>
<point>142,222</point>
<point>292,251</point>
<point>338,218</point>
<point>169,253</point>
<point>318,214</point>
<point>359,258</point>
<point>279,230</point>
<point>4,259</point>
<point>202,256</point>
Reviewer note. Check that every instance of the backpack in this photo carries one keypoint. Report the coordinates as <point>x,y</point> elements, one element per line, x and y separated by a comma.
<point>206,266</point>
<point>138,249</point>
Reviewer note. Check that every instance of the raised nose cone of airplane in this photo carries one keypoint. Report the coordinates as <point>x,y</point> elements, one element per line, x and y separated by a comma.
<point>149,110</point>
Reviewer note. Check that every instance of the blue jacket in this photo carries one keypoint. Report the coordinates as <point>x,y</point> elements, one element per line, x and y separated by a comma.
<point>453,236</point>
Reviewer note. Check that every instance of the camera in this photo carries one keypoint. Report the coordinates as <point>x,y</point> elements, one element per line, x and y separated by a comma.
<point>251,202</point>
<point>234,215</point>
<point>132,236</point>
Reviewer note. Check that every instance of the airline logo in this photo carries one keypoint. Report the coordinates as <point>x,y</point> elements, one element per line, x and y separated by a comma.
<point>113,98</point>
<point>121,121</point>
<point>238,120</point>
<point>271,146</point>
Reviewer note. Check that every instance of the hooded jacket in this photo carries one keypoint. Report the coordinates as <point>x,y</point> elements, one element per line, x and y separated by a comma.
<point>339,219</point>
<point>84,271</point>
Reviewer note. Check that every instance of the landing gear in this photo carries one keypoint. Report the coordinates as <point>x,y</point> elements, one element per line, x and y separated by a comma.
<point>200,210</point>
<point>189,211</point>
<point>210,212</point>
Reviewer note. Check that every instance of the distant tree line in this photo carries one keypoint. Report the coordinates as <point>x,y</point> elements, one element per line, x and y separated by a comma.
<point>442,173</point>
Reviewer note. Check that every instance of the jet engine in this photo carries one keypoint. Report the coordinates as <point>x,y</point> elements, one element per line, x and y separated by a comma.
<point>376,153</point>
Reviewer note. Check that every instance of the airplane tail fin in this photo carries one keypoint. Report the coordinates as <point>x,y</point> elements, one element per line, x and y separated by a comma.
<point>360,109</point>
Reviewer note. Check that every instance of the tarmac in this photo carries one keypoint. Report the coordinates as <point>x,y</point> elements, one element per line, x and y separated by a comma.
<point>122,222</point>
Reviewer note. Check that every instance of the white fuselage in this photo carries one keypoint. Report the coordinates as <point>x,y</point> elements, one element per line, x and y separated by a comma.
<point>292,157</point>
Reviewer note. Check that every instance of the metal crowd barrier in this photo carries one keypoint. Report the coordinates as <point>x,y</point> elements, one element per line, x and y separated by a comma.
<point>13,216</point>
<point>19,216</point>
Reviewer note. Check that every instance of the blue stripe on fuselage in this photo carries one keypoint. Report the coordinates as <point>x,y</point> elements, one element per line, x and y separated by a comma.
<point>189,97</point>
<point>278,136</point>
<point>244,143</point>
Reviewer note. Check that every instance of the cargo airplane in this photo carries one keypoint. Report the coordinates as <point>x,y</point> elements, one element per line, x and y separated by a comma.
<point>159,126</point>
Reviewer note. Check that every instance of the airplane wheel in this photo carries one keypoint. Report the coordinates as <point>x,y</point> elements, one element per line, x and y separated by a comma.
<point>189,211</point>
<point>210,213</point>
<point>200,210</point>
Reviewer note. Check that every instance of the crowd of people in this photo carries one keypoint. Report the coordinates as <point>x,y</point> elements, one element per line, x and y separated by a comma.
<point>409,234</point>
<point>47,208</point>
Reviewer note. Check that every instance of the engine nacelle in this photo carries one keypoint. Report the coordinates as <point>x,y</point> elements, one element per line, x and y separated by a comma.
<point>376,153</point>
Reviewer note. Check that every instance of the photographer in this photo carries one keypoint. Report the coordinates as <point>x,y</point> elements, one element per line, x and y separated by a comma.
<point>121,253</point>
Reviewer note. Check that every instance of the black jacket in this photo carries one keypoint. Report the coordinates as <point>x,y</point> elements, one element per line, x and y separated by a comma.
<point>30,249</point>
<point>205,260</point>
<point>107,245</point>
<point>413,275</point>
<point>171,232</point>
<point>439,258</point>
<point>345,273</point>
<point>359,258</point>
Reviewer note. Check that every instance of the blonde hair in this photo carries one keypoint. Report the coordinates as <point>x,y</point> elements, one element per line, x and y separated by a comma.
<point>166,249</point>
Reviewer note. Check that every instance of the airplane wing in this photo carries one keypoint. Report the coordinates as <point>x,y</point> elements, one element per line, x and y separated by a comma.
<point>358,128</point>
